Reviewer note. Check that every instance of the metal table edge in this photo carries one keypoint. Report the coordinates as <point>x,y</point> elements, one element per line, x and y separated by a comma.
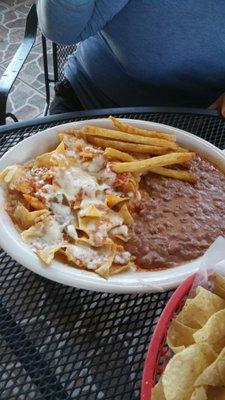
<point>106,111</point>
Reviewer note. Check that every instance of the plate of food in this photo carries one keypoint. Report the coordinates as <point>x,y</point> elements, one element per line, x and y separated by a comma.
<point>113,205</point>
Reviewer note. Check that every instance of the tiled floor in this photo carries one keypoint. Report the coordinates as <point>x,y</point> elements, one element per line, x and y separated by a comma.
<point>27,99</point>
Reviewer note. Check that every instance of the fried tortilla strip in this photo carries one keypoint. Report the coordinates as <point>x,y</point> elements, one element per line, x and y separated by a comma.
<point>47,255</point>
<point>53,158</point>
<point>11,173</point>
<point>146,165</point>
<point>143,132</point>
<point>132,147</point>
<point>34,202</point>
<point>118,268</point>
<point>174,173</point>
<point>118,155</point>
<point>97,259</point>
<point>126,215</point>
<point>25,219</point>
<point>127,137</point>
<point>63,136</point>
<point>45,237</point>
<point>91,211</point>
<point>112,200</point>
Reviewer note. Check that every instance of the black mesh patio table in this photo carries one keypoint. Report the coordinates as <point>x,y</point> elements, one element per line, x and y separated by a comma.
<point>59,342</point>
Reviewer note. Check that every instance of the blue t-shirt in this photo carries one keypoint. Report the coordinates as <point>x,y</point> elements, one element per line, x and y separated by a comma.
<point>141,52</point>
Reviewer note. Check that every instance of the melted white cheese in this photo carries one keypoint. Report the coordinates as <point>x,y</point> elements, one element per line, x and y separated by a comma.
<point>74,179</point>
<point>107,176</point>
<point>96,164</point>
<point>62,213</point>
<point>91,258</point>
<point>11,171</point>
<point>86,202</point>
<point>120,230</point>
<point>122,257</point>
<point>71,230</point>
<point>46,235</point>
<point>115,219</point>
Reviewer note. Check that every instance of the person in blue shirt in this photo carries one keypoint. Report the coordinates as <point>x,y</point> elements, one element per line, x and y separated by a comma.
<point>138,52</point>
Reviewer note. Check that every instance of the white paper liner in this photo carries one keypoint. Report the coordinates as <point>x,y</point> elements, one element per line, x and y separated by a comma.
<point>212,261</point>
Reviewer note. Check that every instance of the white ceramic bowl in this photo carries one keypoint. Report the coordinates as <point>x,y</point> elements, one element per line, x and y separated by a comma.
<point>129,282</point>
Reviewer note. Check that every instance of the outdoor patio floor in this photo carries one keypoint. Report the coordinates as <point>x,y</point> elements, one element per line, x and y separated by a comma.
<point>27,98</point>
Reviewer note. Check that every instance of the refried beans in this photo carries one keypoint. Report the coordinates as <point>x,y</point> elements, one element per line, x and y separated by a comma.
<point>175,220</point>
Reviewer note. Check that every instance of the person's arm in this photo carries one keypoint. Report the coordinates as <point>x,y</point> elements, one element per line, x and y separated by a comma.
<point>219,105</point>
<point>71,21</point>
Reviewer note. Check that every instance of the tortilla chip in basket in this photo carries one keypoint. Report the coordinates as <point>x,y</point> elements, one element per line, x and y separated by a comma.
<point>214,375</point>
<point>184,368</point>
<point>213,332</point>
<point>179,336</point>
<point>199,394</point>
<point>198,310</point>
<point>157,392</point>
<point>218,284</point>
<point>216,393</point>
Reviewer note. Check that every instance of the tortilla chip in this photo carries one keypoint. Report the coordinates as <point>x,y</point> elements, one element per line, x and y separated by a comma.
<point>198,310</point>
<point>213,332</point>
<point>48,254</point>
<point>55,158</point>
<point>112,200</point>
<point>45,237</point>
<point>21,184</point>
<point>184,368</point>
<point>157,392</point>
<point>64,136</point>
<point>179,336</point>
<point>25,219</point>
<point>11,173</point>
<point>218,284</point>
<point>131,185</point>
<point>97,259</point>
<point>115,218</point>
<point>216,393</point>
<point>214,375</point>
<point>125,214</point>
<point>94,229</point>
<point>199,394</point>
<point>118,268</point>
<point>91,211</point>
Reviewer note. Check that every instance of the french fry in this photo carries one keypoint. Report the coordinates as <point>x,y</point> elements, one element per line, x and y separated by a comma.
<point>132,147</point>
<point>142,132</point>
<point>146,165</point>
<point>174,173</point>
<point>182,149</point>
<point>118,155</point>
<point>126,137</point>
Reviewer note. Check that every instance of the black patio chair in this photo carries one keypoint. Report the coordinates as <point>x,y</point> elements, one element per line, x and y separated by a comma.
<point>59,56</point>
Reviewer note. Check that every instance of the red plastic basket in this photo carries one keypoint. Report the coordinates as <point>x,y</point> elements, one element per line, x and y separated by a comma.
<point>158,352</point>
